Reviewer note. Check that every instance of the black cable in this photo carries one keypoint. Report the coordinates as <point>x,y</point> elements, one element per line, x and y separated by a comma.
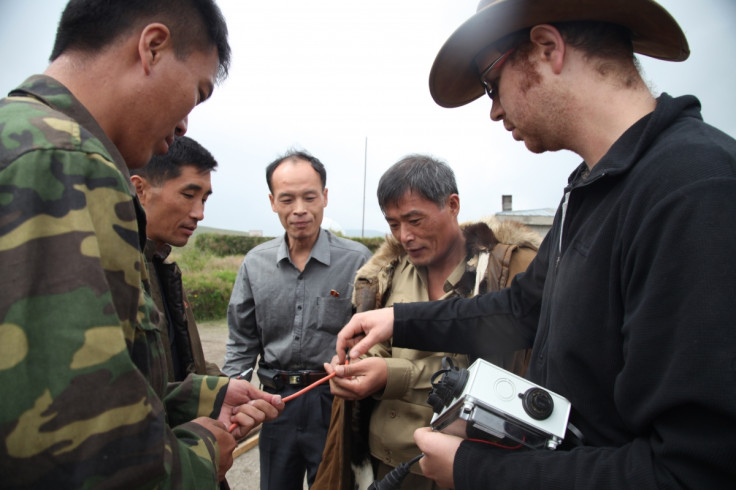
<point>394,478</point>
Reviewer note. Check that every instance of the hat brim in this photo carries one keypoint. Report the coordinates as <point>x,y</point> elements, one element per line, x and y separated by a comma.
<point>453,80</point>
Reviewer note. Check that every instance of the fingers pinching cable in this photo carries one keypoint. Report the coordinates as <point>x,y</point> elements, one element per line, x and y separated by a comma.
<point>234,425</point>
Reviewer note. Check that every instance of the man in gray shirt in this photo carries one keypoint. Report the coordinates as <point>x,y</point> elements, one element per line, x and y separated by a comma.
<point>291,297</point>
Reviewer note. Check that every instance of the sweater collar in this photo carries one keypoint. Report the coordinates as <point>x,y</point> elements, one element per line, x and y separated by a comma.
<point>636,140</point>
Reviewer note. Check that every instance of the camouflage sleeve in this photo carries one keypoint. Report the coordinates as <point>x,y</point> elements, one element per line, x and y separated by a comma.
<point>75,411</point>
<point>195,396</point>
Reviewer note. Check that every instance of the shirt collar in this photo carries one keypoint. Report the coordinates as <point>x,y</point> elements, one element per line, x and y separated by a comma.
<point>151,250</point>
<point>455,276</point>
<point>452,281</point>
<point>320,250</point>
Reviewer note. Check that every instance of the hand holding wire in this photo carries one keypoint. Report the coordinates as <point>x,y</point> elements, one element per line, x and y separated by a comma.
<point>300,392</point>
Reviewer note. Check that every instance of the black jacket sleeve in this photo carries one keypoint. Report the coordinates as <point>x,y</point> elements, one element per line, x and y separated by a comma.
<point>488,324</point>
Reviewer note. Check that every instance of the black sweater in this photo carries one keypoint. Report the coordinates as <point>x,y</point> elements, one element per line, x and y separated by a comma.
<point>630,306</point>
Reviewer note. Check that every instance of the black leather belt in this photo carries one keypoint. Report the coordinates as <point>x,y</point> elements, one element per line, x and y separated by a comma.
<point>301,378</point>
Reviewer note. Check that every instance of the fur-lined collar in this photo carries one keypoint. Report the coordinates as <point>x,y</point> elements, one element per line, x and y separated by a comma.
<point>373,280</point>
<point>481,235</point>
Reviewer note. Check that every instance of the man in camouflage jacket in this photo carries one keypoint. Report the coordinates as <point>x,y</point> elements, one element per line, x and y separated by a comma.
<point>85,399</point>
<point>173,190</point>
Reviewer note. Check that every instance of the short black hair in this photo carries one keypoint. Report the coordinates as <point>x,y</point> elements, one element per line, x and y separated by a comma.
<point>293,155</point>
<point>184,151</point>
<point>91,25</point>
<point>429,177</point>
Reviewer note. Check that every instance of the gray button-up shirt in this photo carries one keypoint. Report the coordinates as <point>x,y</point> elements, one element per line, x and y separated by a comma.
<point>289,317</point>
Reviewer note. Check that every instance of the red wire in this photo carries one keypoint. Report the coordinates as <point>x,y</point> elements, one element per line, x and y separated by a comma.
<point>304,390</point>
<point>299,393</point>
<point>496,444</point>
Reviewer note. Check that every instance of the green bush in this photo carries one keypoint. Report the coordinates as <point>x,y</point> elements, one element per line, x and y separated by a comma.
<point>223,245</point>
<point>208,281</point>
<point>371,244</point>
<point>227,276</point>
<point>208,302</point>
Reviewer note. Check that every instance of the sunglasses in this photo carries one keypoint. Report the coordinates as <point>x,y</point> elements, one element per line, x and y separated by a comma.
<point>492,87</point>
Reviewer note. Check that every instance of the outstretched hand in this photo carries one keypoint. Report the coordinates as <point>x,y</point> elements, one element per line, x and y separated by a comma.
<point>363,331</point>
<point>359,379</point>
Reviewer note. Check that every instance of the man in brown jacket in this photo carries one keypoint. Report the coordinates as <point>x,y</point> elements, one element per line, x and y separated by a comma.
<point>173,189</point>
<point>429,257</point>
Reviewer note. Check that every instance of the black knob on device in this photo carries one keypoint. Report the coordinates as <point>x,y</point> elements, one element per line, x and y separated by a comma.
<point>450,385</point>
<point>537,403</point>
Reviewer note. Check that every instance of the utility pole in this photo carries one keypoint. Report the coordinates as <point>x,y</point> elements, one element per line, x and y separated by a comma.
<point>365,172</point>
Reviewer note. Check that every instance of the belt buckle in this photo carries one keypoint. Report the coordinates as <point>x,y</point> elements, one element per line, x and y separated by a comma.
<point>295,379</point>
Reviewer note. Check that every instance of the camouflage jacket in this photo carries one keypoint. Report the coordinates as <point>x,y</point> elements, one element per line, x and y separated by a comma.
<point>83,396</point>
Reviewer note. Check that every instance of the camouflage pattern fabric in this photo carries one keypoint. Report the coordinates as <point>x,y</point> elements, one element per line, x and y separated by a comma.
<point>84,401</point>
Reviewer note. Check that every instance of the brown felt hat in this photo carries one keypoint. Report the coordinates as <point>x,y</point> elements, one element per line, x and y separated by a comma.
<point>454,80</point>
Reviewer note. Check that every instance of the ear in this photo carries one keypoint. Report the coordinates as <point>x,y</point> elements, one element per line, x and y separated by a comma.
<point>324,195</point>
<point>273,202</point>
<point>142,186</point>
<point>550,44</point>
<point>453,203</point>
<point>153,40</point>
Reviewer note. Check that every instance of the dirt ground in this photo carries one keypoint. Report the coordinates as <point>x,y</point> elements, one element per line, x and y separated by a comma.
<point>245,472</point>
<point>213,335</point>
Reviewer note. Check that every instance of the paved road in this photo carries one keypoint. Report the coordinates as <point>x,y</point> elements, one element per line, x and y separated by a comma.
<point>245,473</point>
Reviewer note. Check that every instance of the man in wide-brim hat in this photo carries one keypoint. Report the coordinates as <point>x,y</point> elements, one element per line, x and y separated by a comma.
<point>454,79</point>
<point>628,305</point>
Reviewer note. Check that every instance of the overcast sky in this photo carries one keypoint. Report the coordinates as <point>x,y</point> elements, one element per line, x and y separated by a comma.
<point>327,75</point>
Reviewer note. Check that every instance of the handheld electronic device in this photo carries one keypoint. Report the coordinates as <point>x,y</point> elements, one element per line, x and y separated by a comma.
<point>490,403</point>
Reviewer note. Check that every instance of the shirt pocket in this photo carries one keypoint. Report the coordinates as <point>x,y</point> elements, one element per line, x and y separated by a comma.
<point>148,351</point>
<point>333,313</point>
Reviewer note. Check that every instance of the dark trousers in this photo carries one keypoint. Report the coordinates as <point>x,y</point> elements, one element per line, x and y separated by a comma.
<point>292,444</point>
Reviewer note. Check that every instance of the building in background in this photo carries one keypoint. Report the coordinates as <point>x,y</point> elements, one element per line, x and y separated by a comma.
<point>539,220</point>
